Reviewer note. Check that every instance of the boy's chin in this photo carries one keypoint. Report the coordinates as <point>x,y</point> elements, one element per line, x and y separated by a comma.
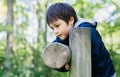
<point>62,38</point>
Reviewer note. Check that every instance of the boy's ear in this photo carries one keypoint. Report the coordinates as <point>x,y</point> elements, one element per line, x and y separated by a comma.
<point>71,21</point>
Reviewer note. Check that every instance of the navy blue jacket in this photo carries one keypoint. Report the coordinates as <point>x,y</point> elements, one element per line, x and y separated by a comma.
<point>101,62</point>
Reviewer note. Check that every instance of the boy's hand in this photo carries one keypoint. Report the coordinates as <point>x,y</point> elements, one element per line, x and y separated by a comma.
<point>67,67</point>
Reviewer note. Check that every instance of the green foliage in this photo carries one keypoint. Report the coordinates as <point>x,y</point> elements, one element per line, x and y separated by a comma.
<point>25,59</point>
<point>5,27</point>
<point>2,53</point>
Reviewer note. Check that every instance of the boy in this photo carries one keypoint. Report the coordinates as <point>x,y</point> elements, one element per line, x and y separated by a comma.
<point>61,18</point>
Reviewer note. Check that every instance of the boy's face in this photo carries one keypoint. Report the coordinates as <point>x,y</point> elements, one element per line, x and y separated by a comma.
<point>61,28</point>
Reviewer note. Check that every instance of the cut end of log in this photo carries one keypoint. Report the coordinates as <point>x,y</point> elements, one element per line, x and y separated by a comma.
<point>56,55</point>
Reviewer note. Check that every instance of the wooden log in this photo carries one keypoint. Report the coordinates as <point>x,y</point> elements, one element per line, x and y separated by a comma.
<point>56,55</point>
<point>80,44</point>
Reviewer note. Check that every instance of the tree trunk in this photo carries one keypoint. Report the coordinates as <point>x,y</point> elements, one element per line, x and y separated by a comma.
<point>9,42</point>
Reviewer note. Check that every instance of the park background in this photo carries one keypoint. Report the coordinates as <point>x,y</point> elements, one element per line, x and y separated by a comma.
<point>24,34</point>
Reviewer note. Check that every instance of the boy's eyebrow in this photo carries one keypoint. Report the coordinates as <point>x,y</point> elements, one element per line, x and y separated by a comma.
<point>55,23</point>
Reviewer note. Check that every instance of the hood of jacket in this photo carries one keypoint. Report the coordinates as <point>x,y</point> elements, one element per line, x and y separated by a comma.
<point>81,21</point>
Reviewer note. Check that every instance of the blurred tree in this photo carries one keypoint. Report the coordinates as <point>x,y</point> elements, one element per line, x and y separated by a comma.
<point>9,43</point>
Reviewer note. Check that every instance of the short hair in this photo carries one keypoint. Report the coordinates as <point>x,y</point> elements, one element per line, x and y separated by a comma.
<point>60,11</point>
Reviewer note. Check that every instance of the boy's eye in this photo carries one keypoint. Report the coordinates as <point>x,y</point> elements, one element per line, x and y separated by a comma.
<point>52,28</point>
<point>56,25</point>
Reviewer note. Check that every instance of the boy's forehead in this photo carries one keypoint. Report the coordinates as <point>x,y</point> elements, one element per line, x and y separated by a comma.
<point>56,21</point>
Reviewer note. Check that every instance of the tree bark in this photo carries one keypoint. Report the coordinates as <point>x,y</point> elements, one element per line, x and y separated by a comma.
<point>80,44</point>
<point>9,42</point>
<point>56,55</point>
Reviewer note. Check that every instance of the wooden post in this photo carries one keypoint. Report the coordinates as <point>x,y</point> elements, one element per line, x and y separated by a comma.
<point>56,55</point>
<point>80,44</point>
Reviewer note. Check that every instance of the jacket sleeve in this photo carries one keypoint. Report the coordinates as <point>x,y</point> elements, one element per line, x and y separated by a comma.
<point>61,69</point>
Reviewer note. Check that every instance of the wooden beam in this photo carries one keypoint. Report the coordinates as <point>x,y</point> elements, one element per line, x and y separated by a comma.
<point>80,44</point>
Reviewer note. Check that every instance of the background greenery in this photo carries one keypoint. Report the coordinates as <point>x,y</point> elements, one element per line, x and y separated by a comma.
<point>24,34</point>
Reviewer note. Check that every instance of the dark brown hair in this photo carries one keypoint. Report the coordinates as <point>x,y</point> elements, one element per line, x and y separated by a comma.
<point>60,11</point>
